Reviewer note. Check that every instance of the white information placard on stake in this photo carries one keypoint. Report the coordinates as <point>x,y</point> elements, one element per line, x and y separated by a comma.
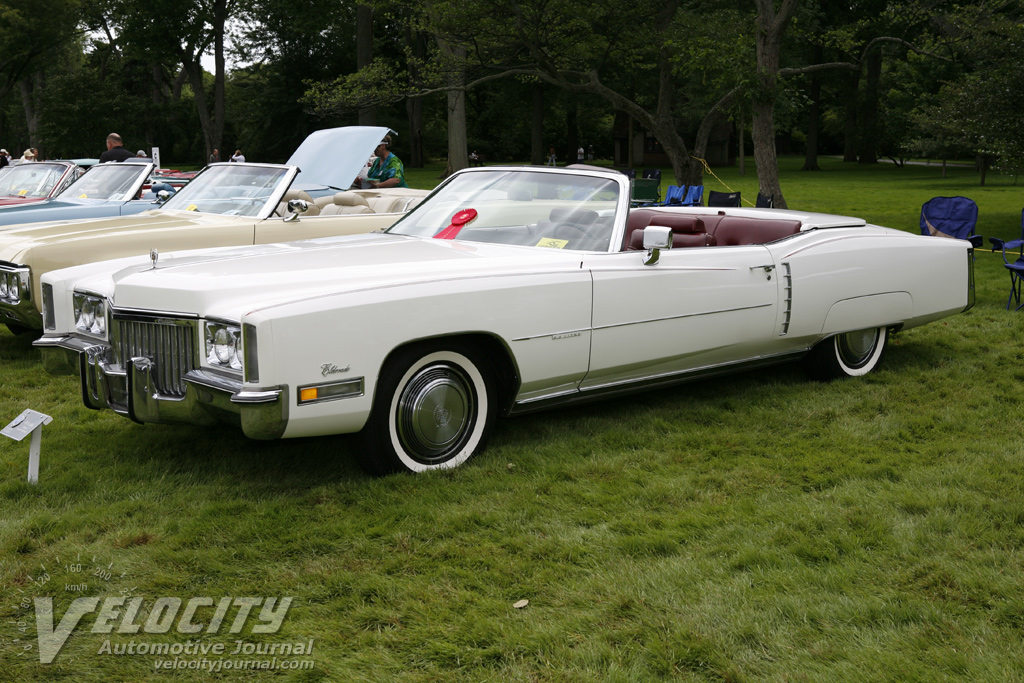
<point>29,422</point>
<point>154,154</point>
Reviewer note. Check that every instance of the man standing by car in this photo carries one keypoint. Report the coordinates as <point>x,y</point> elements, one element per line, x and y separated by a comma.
<point>387,170</point>
<point>115,151</point>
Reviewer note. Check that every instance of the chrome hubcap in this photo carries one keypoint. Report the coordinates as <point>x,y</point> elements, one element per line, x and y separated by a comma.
<point>435,413</point>
<point>855,348</point>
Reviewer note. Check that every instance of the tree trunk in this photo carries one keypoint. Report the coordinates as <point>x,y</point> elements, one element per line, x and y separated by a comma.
<point>31,87</point>
<point>458,152</point>
<point>869,132</point>
<point>220,18</point>
<point>850,123</point>
<point>364,55</point>
<point>537,126</point>
<point>770,26</point>
<point>742,142</point>
<point>813,118</point>
<point>414,111</point>
<point>572,134</point>
<point>416,43</point>
<point>195,78</point>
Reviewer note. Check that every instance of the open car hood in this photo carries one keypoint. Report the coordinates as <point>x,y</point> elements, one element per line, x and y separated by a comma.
<point>333,157</point>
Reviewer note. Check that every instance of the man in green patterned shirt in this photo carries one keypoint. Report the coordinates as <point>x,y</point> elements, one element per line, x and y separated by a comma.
<point>387,170</point>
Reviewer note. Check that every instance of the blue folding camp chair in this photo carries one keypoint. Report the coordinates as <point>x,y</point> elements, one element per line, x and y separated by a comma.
<point>693,196</point>
<point>951,217</point>
<point>1016,268</point>
<point>674,196</point>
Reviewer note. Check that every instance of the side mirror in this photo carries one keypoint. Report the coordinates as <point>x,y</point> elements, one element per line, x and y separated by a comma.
<point>162,196</point>
<point>656,238</point>
<point>296,207</point>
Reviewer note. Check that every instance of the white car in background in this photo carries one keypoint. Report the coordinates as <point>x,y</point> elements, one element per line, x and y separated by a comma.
<point>508,290</point>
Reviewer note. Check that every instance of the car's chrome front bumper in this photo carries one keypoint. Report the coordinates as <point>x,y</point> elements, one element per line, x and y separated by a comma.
<point>17,307</point>
<point>131,390</point>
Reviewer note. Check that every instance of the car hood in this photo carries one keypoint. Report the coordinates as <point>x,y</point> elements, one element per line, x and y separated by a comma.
<point>72,208</point>
<point>229,282</point>
<point>334,156</point>
<point>17,241</point>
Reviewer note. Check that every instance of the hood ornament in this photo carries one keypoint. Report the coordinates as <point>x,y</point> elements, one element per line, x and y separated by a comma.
<point>154,256</point>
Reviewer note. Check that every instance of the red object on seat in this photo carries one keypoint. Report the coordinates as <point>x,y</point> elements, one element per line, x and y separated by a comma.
<point>458,220</point>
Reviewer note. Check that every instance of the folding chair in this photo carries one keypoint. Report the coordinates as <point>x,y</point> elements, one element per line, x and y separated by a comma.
<point>652,173</point>
<point>765,201</point>
<point>694,195</point>
<point>951,217</point>
<point>723,198</point>
<point>1016,268</point>
<point>674,196</point>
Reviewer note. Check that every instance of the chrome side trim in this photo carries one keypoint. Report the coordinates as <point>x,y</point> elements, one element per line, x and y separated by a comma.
<point>565,333</point>
<point>680,317</point>
<point>633,386</point>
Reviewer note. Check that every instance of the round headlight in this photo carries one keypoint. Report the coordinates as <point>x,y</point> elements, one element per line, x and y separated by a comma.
<point>3,285</point>
<point>223,346</point>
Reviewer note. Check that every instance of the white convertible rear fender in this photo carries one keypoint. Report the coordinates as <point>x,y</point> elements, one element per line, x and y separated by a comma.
<point>864,312</point>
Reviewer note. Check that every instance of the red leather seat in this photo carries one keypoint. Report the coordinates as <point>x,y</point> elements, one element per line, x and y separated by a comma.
<point>734,230</point>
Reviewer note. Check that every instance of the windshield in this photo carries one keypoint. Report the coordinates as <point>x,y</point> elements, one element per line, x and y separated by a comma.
<point>109,181</point>
<point>231,190</point>
<point>31,179</point>
<point>524,208</point>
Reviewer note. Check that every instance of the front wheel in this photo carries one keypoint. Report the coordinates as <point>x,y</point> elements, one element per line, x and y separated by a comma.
<point>850,354</point>
<point>433,409</point>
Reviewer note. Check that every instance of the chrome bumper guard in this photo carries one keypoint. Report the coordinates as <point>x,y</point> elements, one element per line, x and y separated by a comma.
<point>18,308</point>
<point>131,390</point>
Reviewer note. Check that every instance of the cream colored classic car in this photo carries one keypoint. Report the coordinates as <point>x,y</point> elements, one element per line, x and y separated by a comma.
<point>506,291</point>
<point>226,204</point>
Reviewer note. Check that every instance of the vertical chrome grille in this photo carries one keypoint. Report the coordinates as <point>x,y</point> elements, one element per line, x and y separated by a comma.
<point>787,298</point>
<point>169,344</point>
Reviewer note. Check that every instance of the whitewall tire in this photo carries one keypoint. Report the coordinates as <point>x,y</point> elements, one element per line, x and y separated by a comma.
<point>851,354</point>
<point>433,409</point>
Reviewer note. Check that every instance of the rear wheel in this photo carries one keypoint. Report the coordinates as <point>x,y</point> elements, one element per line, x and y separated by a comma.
<point>434,409</point>
<point>850,354</point>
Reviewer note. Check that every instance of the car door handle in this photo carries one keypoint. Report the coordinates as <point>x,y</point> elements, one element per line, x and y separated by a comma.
<point>768,267</point>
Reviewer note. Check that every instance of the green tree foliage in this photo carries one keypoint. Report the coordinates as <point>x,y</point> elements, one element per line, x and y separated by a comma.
<point>981,109</point>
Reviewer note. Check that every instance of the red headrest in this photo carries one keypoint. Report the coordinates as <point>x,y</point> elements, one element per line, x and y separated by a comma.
<point>680,224</point>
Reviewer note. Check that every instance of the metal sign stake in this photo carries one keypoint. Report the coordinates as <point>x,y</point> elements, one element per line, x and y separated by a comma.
<point>29,422</point>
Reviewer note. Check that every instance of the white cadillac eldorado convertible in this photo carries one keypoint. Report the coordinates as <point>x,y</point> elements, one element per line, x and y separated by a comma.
<point>226,204</point>
<point>508,290</point>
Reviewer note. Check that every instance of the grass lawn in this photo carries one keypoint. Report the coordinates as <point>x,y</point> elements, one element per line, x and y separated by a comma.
<point>760,527</point>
